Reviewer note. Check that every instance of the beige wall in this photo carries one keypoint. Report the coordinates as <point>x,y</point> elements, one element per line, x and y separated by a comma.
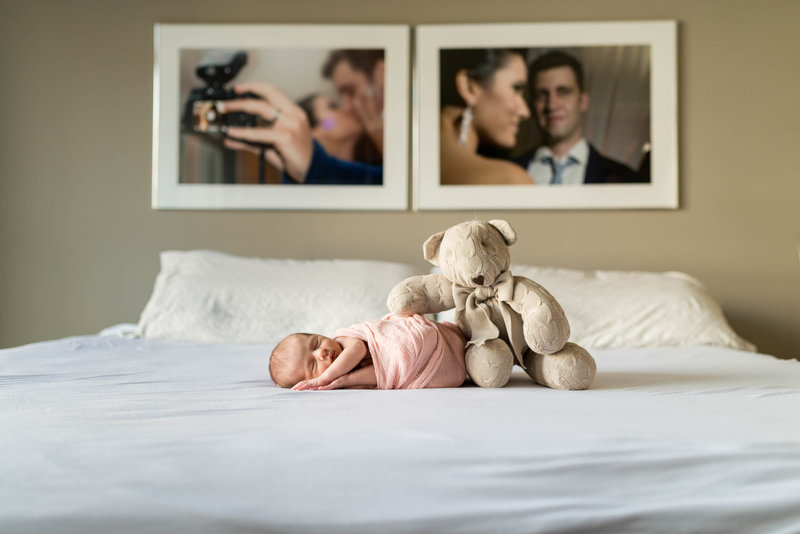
<point>79,243</point>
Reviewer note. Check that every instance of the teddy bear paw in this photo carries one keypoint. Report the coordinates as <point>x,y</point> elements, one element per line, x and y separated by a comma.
<point>489,365</point>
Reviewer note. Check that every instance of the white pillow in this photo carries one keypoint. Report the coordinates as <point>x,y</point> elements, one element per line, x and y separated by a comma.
<point>616,309</point>
<point>214,297</point>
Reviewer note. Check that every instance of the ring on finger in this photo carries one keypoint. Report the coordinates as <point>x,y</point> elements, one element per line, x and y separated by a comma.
<point>277,115</point>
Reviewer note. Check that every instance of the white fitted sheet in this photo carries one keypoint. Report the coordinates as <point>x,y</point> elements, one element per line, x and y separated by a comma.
<point>103,434</point>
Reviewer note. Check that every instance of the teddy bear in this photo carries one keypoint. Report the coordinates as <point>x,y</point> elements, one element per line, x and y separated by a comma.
<point>505,318</point>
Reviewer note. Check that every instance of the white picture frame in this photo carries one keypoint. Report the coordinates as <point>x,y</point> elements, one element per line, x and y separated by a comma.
<point>660,192</point>
<point>169,192</point>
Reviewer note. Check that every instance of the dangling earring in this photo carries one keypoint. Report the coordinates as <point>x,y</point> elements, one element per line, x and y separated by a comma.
<point>466,122</point>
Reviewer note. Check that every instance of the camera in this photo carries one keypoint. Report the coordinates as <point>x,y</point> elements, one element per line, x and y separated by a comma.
<point>202,113</point>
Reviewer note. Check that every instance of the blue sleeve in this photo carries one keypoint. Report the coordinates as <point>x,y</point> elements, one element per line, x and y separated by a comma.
<point>327,170</point>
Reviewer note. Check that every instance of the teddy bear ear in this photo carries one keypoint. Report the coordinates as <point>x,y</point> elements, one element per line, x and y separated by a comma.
<point>505,230</point>
<point>431,248</point>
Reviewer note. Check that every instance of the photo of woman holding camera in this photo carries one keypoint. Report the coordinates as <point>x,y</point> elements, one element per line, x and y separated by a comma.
<point>290,141</point>
<point>320,144</point>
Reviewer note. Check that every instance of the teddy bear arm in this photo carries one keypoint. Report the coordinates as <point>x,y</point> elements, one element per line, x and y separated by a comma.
<point>430,293</point>
<point>545,324</point>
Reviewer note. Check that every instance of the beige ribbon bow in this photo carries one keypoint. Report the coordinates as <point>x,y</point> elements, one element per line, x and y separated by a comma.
<point>474,307</point>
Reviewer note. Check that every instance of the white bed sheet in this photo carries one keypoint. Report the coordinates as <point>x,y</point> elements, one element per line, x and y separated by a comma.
<point>104,434</point>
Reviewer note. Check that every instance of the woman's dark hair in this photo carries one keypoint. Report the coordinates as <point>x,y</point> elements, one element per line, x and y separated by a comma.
<point>480,64</point>
<point>307,104</point>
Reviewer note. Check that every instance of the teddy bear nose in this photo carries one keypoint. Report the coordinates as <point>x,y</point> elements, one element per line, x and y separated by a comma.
<point>478,280</point>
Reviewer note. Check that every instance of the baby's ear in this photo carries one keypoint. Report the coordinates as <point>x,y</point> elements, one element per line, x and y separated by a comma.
<point>431,248</point>
<point>505,230</point>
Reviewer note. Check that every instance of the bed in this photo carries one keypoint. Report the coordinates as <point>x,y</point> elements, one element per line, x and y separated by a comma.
<point>172,424</point>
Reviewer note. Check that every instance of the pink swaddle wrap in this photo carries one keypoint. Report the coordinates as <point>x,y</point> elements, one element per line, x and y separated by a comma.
<point>412,352</point>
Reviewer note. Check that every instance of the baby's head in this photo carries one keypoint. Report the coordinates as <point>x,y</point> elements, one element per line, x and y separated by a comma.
<point>301,357</point>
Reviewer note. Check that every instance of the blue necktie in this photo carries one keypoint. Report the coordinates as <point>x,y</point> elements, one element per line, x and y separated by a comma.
<point>558,168</point>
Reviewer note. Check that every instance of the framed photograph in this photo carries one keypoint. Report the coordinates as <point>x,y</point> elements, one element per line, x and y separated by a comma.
<point>281,117</point>
<point>546,116</point>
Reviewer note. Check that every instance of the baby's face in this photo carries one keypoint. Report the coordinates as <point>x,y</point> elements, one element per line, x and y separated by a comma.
<point>309,355</point>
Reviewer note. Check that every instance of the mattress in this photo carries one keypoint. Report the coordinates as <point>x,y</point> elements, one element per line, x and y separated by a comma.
<point>107,434</point>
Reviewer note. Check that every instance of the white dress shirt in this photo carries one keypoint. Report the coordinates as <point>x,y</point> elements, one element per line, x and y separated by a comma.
<point>541,170</point>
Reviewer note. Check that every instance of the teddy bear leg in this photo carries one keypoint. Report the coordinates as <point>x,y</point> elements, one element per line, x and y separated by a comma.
<point>570,368</point>
<point>489,365</point>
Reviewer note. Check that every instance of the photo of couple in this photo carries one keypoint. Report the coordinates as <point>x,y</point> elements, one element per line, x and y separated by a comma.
<point>544,116</point>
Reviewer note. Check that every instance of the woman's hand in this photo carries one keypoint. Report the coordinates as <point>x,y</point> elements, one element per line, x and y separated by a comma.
<point>289,133</point>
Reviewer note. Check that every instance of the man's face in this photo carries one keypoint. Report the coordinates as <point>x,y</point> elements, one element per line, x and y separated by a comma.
<point>351,84</point>
<point>559,104</point>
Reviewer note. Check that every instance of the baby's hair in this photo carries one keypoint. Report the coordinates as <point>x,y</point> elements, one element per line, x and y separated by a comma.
<point>278,362</point>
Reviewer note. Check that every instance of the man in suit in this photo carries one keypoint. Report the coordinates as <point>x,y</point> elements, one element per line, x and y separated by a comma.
<point>559,102</point>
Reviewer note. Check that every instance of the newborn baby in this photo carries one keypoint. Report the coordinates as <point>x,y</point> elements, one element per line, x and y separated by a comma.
<point>396,352</point>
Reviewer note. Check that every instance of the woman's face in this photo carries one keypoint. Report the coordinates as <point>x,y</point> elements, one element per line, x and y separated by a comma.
<point>500,106</point>
<point>332,122</point>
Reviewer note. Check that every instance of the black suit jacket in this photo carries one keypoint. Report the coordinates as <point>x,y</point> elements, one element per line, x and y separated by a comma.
<point>600,169</point>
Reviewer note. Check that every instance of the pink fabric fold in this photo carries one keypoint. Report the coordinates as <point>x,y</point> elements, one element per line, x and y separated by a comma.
<point>412,352</point>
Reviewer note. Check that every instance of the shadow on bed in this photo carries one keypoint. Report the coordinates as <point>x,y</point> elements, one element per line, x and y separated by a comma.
<point>618,380</point>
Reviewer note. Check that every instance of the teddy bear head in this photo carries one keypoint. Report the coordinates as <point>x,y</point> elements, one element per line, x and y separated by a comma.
<point>473,253</point>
